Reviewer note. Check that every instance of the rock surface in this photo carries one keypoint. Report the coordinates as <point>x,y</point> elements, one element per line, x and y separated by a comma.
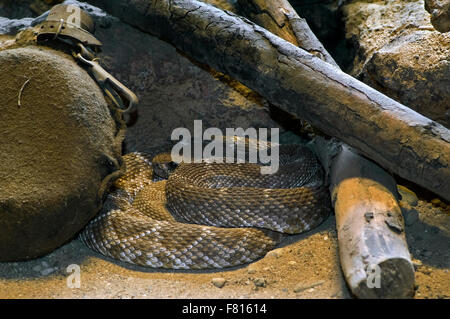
<point>58,150</point>
<point>173,90</point>
<point>15,9</point>
<point>440,14</point>
<point>401,54</point>
<point>12,26</point>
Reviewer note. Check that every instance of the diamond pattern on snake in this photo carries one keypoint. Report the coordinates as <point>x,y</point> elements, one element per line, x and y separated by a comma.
<point>207,215</point>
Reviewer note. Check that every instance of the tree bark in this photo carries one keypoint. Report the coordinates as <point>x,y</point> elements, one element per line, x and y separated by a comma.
<point>371,233</point>
<point>394,136</point>
<point>280,18</point>
<point>373,251</point>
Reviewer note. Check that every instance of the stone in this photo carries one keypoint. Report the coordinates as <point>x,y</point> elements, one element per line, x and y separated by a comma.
<point>47,271</point>
<point>218,282</point>
<point>12,26</point>
<point>417,263</point>
<point>59,150</point>
<point>276,253</point>
<point>301,287</point>
<point>260,282</point>
<point>37,268</point>
<point>436,201</point>
<point>400,54</point>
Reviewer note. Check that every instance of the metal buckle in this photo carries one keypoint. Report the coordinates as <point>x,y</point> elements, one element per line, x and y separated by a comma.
<point>112,87</point>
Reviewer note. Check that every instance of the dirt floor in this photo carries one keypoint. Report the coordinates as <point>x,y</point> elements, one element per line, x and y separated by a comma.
<point>305,266</point>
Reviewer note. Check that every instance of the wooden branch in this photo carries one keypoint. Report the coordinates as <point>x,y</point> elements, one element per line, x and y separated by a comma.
<point>280,18</point>
<point>373,251</point>
<point>272,16</point>
<point>394,136</point>
<point>371,233</point>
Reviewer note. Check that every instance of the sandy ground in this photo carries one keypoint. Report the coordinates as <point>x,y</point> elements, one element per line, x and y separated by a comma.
<point>304,266</point>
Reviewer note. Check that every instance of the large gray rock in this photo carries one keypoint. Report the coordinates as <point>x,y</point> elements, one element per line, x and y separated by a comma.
<point>401,54</point>
<point>59,150</point>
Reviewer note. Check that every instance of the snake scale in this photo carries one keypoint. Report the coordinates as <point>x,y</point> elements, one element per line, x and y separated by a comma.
<point>207,215</point>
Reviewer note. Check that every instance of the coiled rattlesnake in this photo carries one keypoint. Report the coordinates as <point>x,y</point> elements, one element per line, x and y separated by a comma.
<point>207,215</point>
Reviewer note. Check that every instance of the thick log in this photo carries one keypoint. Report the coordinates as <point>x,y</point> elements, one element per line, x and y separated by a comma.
<point>372,246</point>
<point>280,18</point>
<point>396,137</point>
<point>373,251</point>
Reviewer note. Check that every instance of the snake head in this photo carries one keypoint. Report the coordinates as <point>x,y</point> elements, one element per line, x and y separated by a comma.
<point>163,166</point>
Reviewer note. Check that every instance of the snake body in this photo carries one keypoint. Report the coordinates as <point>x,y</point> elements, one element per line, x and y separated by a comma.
<point>207,215</point>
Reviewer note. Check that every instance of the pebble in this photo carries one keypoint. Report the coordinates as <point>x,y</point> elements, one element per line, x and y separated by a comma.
<point>219,282</point>
<point>325,238</point>
<point>277,253</point>
<point>436,201</point>
<point>292,263</point>
<point>47,271</point>
<point>259,282</point>
<point>301,287</point>
<point>251,271</point>
<point>417,264</point>
<point>37,268</point>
